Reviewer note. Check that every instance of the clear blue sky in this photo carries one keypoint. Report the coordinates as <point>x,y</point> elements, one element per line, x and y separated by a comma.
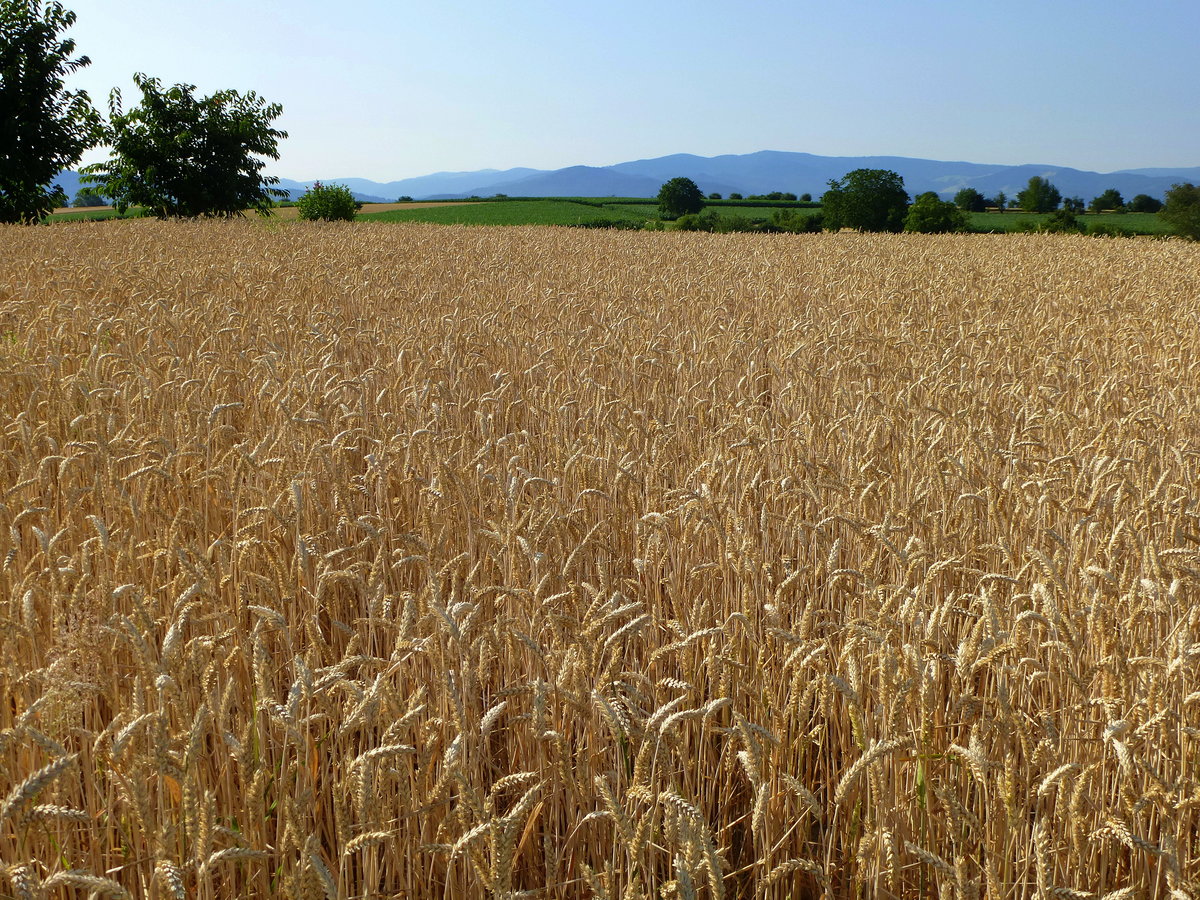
<point>387,90</point>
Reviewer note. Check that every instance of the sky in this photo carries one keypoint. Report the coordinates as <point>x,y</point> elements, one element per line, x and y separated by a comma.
<point>390,89</point>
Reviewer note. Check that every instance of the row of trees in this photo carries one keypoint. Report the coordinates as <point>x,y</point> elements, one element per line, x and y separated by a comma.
<point>1041,196</point>
<point>875,200</point>
<point>174,153</point>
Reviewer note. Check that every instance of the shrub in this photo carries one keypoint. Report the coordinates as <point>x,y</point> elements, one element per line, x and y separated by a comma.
<point>1182,210</point>
<point>328,203</point>
<point>1061,222</point>
<point>930,214</point>
<point>792,220</point>
<point>702,221</point>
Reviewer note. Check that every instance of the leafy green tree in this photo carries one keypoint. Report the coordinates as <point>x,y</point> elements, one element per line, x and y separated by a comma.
<point>970,200</point>
<point>1001,201</point>
<point>678,197</point>
<point>1144,203</point>
<point>866,200</point>
<point>1039,196</point>
<point>735,196</point>
<point>714,196</point>
<point>88,197</point>
<point>1073,205</point>
<point>930,214</point>
<point>328,203</point>
<point>1182,210</point>
<point>180,155</point>
<point>1110,199</point>
<point>806,198</point>
<point>45,128</point>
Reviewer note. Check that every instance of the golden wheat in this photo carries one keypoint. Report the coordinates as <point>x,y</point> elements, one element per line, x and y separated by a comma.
<point>385,561</point>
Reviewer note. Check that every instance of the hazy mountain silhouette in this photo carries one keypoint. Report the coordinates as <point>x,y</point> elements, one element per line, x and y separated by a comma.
<point>750,173</point>
<point>771,170</point>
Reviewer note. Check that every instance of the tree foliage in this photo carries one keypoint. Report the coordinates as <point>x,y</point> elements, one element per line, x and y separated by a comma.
<point>1182,210</point>
<point>181,155</point>
<point>328,203</point>
<point>866,200</point>
<point>46,128</point>
<point>1144,203</point>
<point>1073,205</point>
<point>1110,199</point>
<point>1001,201</point>
<point>1039,196</point>
<point>970,200</point>
<point>88,197</point>
<point>930,214</point>
<point>678,197</point>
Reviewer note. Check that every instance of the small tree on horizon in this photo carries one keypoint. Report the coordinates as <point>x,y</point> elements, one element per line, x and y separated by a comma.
<point>1001,201</point>
<point>970,200</point>
<point>1110,199</point>
<point>88,197</point>
<point>678,197</point>
<point>1039,196</point>
<point>1144,203</point>
<point>866,200</point>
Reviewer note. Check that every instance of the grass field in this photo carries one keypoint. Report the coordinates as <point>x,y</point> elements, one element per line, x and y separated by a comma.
<point>1137,223</point>
<point>92,214</point>
<point>372,561</point>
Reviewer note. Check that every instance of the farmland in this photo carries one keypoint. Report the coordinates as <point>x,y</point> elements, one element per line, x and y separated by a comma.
<point>396,560</point>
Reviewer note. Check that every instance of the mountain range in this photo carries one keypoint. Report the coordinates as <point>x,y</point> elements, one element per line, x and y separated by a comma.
<point>750,173</point>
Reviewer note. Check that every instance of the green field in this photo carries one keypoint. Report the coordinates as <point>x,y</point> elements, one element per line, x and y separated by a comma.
<point>1135,223</point>
<point>614,212</point>
<point>94,214</point>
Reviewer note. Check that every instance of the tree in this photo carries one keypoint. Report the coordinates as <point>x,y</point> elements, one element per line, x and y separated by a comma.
<point>930,214</point>
<point>179,155</point>
<point>88,197</point>
<point>735,196</point>
<point>1144,203</point>
<point>1073,205</point>
<point>328,203</point>
<point>1182,210</point>
<point>714,196</point>
<point>46,128</point>
<point>1001,201</point>
<point>678,197</point>
<point>866,200</point>
<point>970,200</point>
<point>1039,196</point>
<point>806,198</point>
<point>1110,199</point>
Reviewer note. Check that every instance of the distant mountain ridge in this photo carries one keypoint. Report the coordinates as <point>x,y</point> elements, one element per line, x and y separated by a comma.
<point>750,173</point>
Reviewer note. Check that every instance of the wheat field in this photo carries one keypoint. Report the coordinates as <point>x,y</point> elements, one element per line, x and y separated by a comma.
<point>406,561</point>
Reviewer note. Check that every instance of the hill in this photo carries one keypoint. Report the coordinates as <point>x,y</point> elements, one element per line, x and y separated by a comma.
<point>749,173</point>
